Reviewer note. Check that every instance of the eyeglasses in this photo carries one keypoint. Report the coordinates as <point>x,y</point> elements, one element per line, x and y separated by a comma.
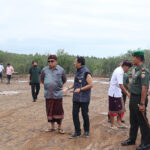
<point>51,61</point>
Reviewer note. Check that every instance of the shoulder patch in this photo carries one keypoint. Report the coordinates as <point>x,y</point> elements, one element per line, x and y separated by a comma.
<point>143,75</point>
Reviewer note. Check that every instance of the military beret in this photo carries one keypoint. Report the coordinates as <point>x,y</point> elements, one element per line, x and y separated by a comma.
<point>138,53</point>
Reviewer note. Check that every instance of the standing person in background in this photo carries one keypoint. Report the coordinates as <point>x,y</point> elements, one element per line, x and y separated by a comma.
<point>9,72</point>
<point>1,71</point>
<point>53,77</point>
<point>34,79</point>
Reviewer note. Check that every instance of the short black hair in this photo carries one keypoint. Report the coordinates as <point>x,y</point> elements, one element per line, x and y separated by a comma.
<point>127,63</point>
<point>34,62</point>
<point>8,64</point>
<point>141,57</point>
<point>81,60</point>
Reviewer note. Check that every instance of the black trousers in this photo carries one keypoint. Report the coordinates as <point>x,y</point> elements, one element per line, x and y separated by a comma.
<point>35,88</point>
<point>1,76</point>
<point>8,79</point>
<point>137,120</point>
<point>124,96</point>
<point>75,113</point>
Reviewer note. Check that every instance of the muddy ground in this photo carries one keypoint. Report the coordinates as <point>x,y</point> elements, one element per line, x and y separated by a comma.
<point>23,124</point>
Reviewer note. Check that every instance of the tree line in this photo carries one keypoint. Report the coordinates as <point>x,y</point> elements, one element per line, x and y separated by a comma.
<point>97,66</point>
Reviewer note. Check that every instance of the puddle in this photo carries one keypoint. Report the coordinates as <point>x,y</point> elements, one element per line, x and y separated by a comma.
<point>94,81</point>
<point>22,81</point>
<point>103,82</point>
<point>9,92</point>
<point>70,80</point>
<point>104,113</point>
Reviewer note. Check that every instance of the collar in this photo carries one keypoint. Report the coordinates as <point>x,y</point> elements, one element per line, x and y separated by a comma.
<point>139,67</point>
<point>80,68</point>
<point>122,69</point>
<point>56,68</point>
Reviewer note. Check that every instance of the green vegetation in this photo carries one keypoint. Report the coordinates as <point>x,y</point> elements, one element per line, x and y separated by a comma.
<point>98,66</point>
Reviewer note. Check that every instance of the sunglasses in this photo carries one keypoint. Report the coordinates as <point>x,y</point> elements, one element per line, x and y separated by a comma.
<point>51,61</point>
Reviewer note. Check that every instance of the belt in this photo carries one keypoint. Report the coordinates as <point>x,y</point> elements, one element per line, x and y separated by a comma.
<point>135,94</point>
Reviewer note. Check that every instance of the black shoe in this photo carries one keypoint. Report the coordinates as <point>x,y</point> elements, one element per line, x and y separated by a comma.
<point>143,147</point>
<point>86,134</point>
<point>128,142</point>
<point>123,121</point>
<point>34,100</point>
<point>75,135</point>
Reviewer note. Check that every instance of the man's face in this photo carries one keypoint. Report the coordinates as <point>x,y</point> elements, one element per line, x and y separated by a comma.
<point>126,68</point>
<point>135,60</point>
<point>52,63</point>
<point>35,64</point>
<point>77,65</point>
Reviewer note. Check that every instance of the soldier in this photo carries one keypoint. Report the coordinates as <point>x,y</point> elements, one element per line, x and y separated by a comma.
<point>138,103</point>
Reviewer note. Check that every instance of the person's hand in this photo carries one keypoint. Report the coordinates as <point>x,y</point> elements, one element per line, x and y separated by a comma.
<point>77,90</point>
<point>29,82</point>
<point>64,90</point>
<point>128,94</point>
<point>141,107</point>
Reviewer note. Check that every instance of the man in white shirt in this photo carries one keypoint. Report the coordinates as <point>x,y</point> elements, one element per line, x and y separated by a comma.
<point>1,71</point>
<point>116,104</point>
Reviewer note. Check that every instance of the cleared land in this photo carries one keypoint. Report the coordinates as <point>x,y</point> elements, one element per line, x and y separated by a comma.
<point>23,124</point>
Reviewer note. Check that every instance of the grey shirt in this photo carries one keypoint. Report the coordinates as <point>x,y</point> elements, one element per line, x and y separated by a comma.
<point>53,82</point>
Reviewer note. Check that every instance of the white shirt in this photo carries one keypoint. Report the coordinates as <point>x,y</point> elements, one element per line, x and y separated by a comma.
<point>1,68</point>
<point>116,79</point>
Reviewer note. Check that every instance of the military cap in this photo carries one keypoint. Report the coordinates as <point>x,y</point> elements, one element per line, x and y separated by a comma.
<point>138,53</point>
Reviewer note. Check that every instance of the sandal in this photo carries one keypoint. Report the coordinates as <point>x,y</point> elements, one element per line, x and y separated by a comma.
<point>52,130</point>
<point>61,131</point>
<point>123,127</point>
<point>114,128</point>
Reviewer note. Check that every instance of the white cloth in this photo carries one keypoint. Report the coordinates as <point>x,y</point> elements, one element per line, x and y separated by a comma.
<point>1,68</point>
<point>116,80</point>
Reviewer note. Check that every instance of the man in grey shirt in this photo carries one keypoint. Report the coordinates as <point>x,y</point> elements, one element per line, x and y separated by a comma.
<point>53,77</point>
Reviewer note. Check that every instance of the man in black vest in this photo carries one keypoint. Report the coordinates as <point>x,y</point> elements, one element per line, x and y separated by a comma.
<point>81,96</point>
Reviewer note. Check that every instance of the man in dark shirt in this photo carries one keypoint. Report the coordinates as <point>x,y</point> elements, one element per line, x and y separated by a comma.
<point>34,79</point>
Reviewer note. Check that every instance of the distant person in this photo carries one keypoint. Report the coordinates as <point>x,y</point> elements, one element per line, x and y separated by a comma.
<point>1,71</point>
<point>9,72</point>
<point>34,79</point>
<point>81,97</point>
<point>53,77</point>
<point>116,104</point>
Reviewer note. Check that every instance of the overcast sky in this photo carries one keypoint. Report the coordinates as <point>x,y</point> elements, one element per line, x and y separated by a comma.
<point>99,28</point>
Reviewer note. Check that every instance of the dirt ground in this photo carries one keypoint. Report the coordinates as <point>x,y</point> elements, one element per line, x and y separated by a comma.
<point>23,124</point>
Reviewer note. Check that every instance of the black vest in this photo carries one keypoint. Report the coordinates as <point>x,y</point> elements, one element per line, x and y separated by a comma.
<point>79,82</point>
